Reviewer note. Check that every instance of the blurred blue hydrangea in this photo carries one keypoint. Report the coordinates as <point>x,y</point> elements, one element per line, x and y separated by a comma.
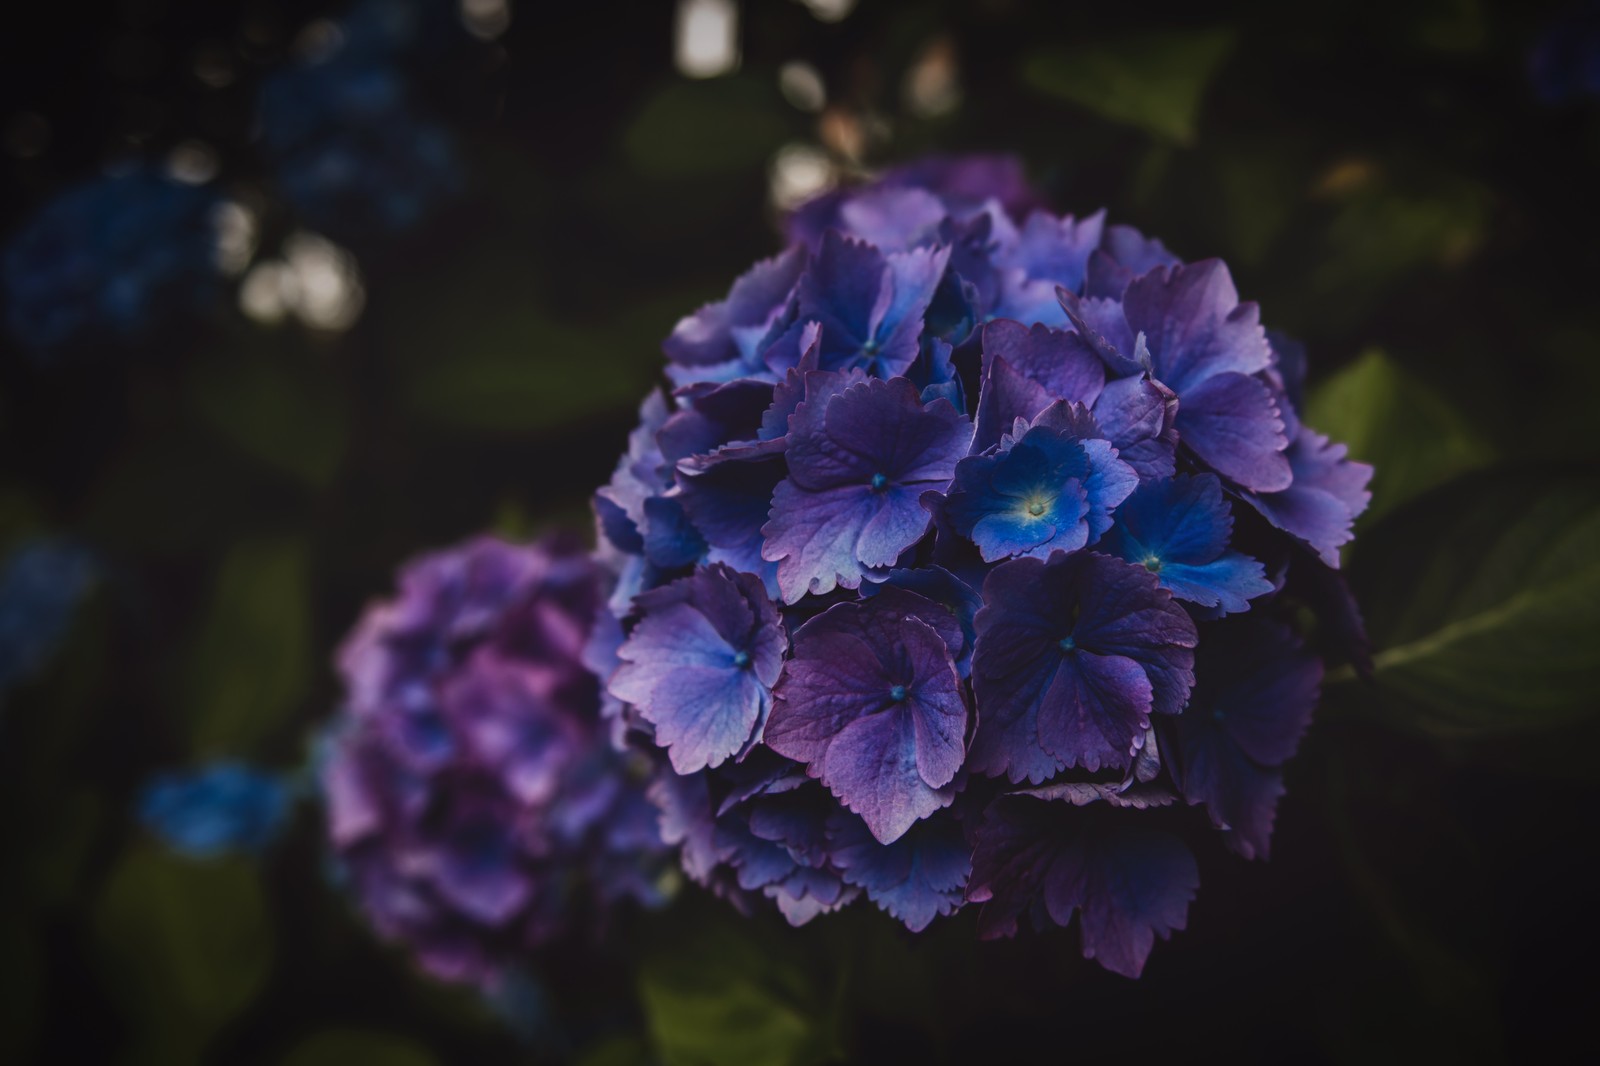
<point>40,589</point>
<point>473,801</point>
<point>919,579</point>
<point>112,263</point>
<point>216,809</point>
<point>353,151</point>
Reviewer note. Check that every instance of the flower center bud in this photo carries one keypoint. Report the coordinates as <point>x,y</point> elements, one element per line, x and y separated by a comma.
<point>898,693</point>
<point>879,482</point>
<point>741,659</point>
<point>871,347</point>
<point>1036,508</point>
<point>1152,563</point>
<point>1068,644</point>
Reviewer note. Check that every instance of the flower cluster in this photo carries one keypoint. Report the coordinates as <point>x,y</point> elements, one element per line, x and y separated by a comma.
<point>111,262</point>
<point>216,809</point>
<point>473,802</point>
<point>353,152</point>
<point>961,546</point>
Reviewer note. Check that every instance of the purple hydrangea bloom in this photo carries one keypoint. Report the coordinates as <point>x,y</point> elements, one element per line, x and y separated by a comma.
<point>1074,654</point>
<point>859,462</point>
<point>912,575</point>
<point>473,800</point>
<point>700,664</point>
<point>112,263</point>
<point>1044,855</point>
<point>222,807</point>
<point>1254,693</point>
<point>872,702</point>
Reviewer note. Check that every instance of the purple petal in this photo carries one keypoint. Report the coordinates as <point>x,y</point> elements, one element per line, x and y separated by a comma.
<point>871,700</point>
<point>700,664</point>
<point>1195,325</point>
<point>1043,704</point>
<point>1137,416</point>
<point>1327,494</point>
<point>706,337</point>
<point>1050,859</point>
<point>1255,692</point>
<point>1006,395</point>
<point>1231,422</point>
<point>919,877</point>
<point>1060,360</point>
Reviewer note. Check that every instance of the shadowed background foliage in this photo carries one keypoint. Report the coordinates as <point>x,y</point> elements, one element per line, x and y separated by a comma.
<point>1386,179</point>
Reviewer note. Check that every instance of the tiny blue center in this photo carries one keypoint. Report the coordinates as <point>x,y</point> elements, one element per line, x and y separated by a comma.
<point>1067,644</point>
<point>741,659</point>
<point>1036,508</point>
<point>879,481</point>
<point>871,347</point>
<point>1152,563</point>
<point>897,693</point>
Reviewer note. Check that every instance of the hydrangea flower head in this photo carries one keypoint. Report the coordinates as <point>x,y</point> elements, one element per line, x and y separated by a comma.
<point>111,263</point>
<point>352,152</point>
<point>958,548</point>
<point>473,801</point>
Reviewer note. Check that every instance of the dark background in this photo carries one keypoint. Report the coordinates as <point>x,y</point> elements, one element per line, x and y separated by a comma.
<point>1382,177</point>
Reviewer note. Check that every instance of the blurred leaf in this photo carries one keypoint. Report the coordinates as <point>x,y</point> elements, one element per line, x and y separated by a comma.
<point>1418,883</point>
<point>721,998</point>
<point>616,1051</point>
<point>1258,187</point>
<point>64,834</point>
<point>1413,438</point>
<point>251,662</point>
<point>695,128</point>
<point>1483,599</point>
<point>185,947</point>
<point>1450,25</point>
<point>19,515</point>
<point>510,371</point>
<point>1154,81</point>
<point>357,1047</point>
<point>22,978</point>
<point>276,407</point>
<point>1381,235</point>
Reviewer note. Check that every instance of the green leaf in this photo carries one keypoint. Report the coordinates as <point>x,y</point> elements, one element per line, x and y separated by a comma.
<point>357,1047</point>
<point>1383,234</point>
<point>1413,438</point>
<point>251,661</point>
<point>22,980</point>
<point>275,406</point>
<point>721,997</point>
<point>1154,81</point>
<point>1483,600</point>
<point>522,375</point>
<point>616,1051</point>
<point>692,129</point>
<point>185,946</point>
